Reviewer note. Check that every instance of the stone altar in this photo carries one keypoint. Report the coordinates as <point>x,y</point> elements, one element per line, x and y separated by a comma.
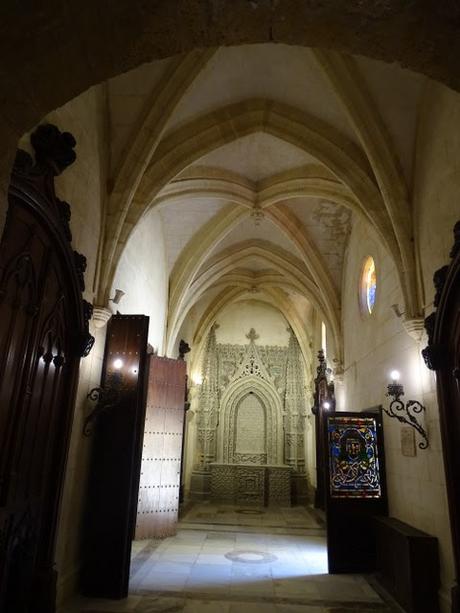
<point>260,485</point>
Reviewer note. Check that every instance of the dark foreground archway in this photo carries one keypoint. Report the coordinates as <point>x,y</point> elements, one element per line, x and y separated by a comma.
<point>53,51</point>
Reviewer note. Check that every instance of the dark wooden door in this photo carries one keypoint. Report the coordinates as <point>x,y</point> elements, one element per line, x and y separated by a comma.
<point>443,356</point>
<point>116,460</point>
<point>43,333</point>
<point>162,449</point>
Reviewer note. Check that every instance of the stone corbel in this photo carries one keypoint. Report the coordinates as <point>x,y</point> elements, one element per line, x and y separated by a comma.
<point>415,328</point>
<point>101,316</point>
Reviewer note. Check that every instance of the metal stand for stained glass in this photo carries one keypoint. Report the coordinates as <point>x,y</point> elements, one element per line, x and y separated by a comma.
<point>355,488</point>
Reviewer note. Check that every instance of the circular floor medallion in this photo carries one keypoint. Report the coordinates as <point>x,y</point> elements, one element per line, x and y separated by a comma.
<point>249,556</point>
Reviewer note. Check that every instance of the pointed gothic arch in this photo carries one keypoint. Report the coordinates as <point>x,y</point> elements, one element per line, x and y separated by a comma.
<point>230,403</point>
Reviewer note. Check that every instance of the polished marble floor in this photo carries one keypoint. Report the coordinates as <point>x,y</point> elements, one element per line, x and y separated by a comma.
<point>240,560</point>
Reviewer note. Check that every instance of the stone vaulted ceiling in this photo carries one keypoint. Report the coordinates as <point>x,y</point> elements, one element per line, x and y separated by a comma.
<point>258,159</point>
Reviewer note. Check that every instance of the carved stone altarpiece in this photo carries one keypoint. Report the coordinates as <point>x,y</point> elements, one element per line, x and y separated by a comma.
<point>252,415</point>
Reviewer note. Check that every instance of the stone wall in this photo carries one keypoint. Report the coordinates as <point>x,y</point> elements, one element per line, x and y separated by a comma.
<point>142,274</point>
<point>374,345</point>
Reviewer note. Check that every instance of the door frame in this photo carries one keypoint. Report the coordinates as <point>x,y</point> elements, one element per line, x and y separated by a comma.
<point>32,196</point>
<point>442,355</point>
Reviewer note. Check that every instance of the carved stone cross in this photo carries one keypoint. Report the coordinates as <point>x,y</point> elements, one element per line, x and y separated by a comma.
<point>252,335</point>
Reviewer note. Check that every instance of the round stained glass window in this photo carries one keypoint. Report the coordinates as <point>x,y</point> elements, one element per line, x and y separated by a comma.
<point>368,286</point>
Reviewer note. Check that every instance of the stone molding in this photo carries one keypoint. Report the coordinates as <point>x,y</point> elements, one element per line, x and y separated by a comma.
<point>415,328</point>
<point>101,316</point>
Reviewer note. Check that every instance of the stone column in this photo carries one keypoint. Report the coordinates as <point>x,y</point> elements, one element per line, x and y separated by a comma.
<point>294,421</point>
<point>207,420</point>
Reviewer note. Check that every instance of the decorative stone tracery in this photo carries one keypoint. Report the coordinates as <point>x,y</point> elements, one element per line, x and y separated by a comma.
<point>263,383</point>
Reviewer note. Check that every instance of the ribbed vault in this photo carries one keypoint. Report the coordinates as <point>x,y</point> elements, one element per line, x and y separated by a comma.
<point>278,233</point>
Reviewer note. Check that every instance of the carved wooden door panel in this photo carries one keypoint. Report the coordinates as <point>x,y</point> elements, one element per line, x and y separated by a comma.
<point>43,333</point>
<point>158,503</point>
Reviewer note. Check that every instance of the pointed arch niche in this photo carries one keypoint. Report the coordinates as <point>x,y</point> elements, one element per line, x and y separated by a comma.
<point>250,430</point>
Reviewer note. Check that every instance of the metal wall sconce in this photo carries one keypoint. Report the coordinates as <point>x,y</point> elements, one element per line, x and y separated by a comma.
<point>407,412</point>
<point>106,398</point>
<point>119,293</point>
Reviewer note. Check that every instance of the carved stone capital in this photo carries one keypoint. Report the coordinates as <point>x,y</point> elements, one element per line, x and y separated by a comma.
<point>415,328</point>
<point>101,316</point>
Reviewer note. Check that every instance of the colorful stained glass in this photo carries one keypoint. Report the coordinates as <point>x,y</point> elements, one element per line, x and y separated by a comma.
<point>353,456</point>
<point>371,286</point>
<point>368,285</point>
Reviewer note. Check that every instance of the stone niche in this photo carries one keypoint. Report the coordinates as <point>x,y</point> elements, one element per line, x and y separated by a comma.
<point>250,424</point>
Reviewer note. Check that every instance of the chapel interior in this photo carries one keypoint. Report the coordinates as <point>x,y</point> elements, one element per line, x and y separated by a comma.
<point>230,297</point>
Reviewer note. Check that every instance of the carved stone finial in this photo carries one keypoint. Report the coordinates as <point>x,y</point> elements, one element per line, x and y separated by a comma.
<point>322,370</point>
<point>183,349</point>
<point>252,335</point>
<point>53,148</point>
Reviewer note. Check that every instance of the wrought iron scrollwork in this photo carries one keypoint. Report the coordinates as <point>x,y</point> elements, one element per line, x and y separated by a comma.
<point>106,398</point>
<point>406,413</point>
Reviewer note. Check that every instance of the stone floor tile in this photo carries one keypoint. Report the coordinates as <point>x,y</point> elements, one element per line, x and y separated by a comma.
<point>87,605</point>
<point>252,607</point>
<point>211,570</point>
<point>212,558</point>
<point>207,606</point>
<point>342,592</point>
<point>192,566</point>
<point>159,582</point>
<point>298,608</point>
<point>181,568</point>
<point>160,604</point>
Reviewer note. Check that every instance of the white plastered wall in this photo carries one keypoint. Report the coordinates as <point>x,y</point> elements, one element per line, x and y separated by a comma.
<point>142,275</point>
<point>374,345</point>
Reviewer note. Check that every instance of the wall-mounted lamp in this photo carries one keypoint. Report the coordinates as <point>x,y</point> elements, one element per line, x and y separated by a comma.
<point>197,379</point>
<point>326,405</point>
<point>405,413</point>
<point>117,297</point>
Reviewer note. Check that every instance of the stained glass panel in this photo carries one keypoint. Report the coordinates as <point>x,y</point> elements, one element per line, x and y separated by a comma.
<point>371,285</point>
<point>368,285</point>
<point>353,457</point>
